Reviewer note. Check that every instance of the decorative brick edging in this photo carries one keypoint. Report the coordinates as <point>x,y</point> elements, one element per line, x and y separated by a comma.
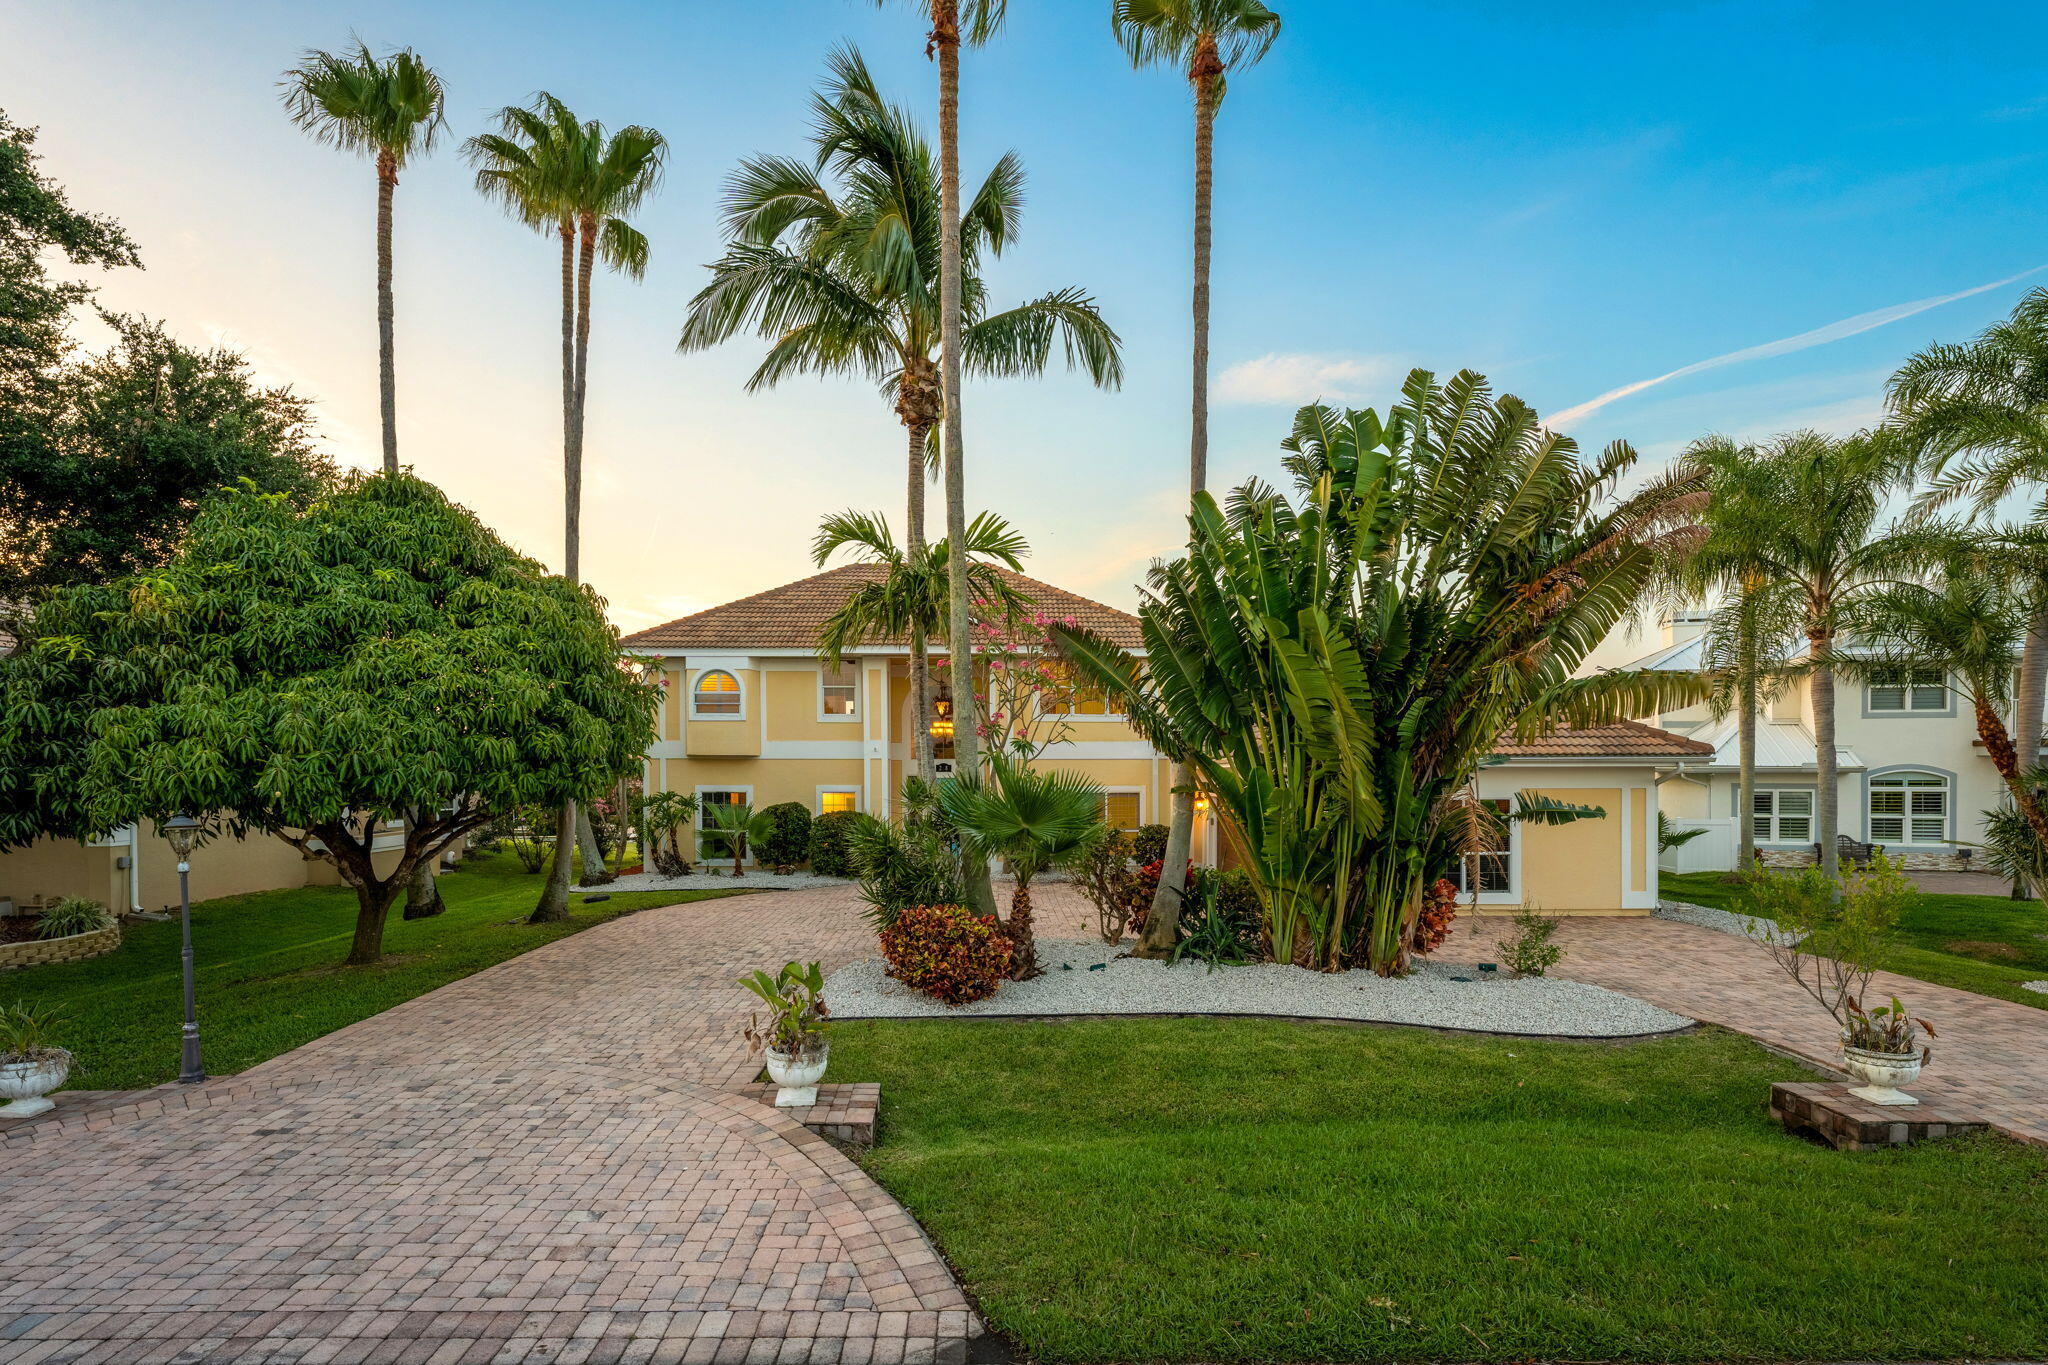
<point>39,952</point>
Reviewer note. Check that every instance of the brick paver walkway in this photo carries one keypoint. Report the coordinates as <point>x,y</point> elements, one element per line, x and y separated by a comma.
<point>1992,1054</point>
<point>543,1162</point>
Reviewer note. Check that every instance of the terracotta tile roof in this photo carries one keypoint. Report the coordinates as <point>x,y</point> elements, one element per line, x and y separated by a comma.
<point>789,617</point>
<point>1623,739</point>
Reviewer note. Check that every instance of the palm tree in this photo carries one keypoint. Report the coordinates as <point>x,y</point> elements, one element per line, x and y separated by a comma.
<point>1206,39</point>
<point>1033,819</point>
<point>574,178</point>
<point>1743,656</point>
<point>909,600</point>
<point>737,826</point>
<point>390,109</point>
<point>1794,525</point>
<point>1975,415</point>
<point>840,276</point>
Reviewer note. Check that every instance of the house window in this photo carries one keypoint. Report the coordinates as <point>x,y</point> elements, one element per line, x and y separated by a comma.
<point>1487,868</point>
<point>1782,817</point>
<point>717,693</point>
<point>1062,696</point>
<point>1901,691</point>
<point>839,692</point>
<point>1122,810</point>
<point>1909,808</point>
<point>841,799</point>
<point>707,819</point>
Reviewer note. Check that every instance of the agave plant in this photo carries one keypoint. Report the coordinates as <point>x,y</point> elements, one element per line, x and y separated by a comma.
<point>1338,665</point>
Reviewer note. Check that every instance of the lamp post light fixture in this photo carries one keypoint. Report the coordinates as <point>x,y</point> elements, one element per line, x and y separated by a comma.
<point>182,831</point>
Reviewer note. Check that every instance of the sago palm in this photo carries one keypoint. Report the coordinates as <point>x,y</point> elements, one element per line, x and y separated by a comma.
<point>1796,523</point>
<point>1975,417</point>
<point>837,262</point>
<point>1335,667</point>
<point>390,109</point>
<point>1206,39</point>
<point>1034,819</point>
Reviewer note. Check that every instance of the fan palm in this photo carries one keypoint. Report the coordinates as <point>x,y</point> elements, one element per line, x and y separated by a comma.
<point>1794,526</point>
<point>1206,39</point>
<point>1034,819</point>
<point>1336,667</point>
<point>837,262</point>
<point>1975,416</point>
<point>389,108</point>
<point>572,177</point>
<point>737,826</point>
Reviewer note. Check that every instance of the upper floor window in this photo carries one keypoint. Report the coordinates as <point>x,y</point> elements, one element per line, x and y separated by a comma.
<point>1062,696</point>
<point>717,693</point>
<point>1901,691</point>
<point>1909,808</point>
<point>839,692</point>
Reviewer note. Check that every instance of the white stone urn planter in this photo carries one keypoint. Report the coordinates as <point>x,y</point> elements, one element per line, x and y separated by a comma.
<point>1882,1073</point>
<point>798,1073</point>
<point>25,1084</point>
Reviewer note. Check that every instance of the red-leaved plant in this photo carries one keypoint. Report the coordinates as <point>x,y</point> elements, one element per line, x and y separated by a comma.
<point>948,952</point>
<point>1439,908</point>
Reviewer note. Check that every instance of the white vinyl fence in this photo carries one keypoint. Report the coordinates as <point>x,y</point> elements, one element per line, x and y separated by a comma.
<point>1713,851</point>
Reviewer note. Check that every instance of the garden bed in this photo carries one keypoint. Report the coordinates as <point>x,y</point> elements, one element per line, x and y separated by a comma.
<point>35,952</point>
<point>1093,978</point>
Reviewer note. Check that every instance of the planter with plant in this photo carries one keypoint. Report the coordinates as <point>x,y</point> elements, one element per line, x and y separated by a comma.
<point>31,1063</point>
<point>793,1036</point>
<point>1830,939</point>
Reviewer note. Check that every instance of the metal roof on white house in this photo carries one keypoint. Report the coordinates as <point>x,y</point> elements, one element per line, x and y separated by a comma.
<point>1781,746</point>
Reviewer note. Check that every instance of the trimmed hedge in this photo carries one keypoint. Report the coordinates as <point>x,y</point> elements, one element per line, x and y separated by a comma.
<point>830,854</point>
<point>788,841</point>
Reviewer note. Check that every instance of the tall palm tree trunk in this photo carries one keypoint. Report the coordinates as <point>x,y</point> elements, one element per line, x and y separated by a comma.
<point>2006,758</point>
<point>923,757</point>
<point>1745,772</point>
<point>2028,704</point>
<point>1827,815</point>
<point>945,41</point>
<point>387,363</point>
<point>1162,921</point>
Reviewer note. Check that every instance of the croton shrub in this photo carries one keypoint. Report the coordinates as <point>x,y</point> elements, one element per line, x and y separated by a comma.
<point>948,952</point>
<point>1439,908</point>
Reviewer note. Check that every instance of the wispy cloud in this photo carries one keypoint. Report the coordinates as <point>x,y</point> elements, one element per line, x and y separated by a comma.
<point>1819,336</point>
<point>1292,378</point>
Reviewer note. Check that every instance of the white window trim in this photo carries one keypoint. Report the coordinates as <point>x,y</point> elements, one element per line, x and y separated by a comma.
<point>1776,817</point>
<point>1513,894</point>
<point>1872,711</point>
<point>849,665</point>
<point>1906,840</point>
<point>1138,792</point>
<point>818,798</point>
<point>741,683</point>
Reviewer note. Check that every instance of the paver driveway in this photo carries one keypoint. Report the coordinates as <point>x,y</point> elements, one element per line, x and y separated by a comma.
<point>541,1162</point>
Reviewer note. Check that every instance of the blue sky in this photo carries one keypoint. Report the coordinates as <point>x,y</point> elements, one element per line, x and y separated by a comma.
<point>1571,199</point>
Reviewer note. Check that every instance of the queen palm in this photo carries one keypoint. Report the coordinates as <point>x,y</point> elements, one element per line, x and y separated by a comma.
<point>1035,820</point>
<point>578,180</point>
<point>389,108</point>
<point>1206,39</point>
<point>909,599</point>
<point>1795,523</point>
<point>1975,415</point>
<point>837,261</point>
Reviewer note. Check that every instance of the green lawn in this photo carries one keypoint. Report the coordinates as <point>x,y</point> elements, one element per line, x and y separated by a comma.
<point>1196,1190</point>
<point>1986,944</point>
<point>269,974</point>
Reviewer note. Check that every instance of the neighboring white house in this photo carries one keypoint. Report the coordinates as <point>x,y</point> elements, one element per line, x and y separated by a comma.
<point>1912,775</point>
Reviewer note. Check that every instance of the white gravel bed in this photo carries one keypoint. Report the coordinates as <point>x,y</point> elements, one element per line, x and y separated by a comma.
<point>717,876</point>
<point>1720,921</point>
<point>2038,987</point>
<point>1089,978</point>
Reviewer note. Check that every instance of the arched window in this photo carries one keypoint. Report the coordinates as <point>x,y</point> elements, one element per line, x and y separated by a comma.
<point>1909,807</point>
<point>717,693</point>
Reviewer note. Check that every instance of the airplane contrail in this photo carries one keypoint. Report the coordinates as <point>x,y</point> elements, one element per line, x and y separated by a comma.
<point>1819,336</point>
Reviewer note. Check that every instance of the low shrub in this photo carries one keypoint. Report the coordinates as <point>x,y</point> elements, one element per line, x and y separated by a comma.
<point>1439,908</point>
<point>788,839</point>
<point>1148,844</point>
<point>72,915</point>
<point>905,865</point>
<point>1527,950</point>
<point>1227,897</point>
<point>831,851</point>
<point>948,952</point>
<point>1107,878</point>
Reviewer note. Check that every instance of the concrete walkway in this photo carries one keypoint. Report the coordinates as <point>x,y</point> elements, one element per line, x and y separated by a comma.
<point>541,1162</point>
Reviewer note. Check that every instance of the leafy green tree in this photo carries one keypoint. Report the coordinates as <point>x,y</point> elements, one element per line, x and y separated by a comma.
<point>554,172</point>
<point>1336,667</point>
<point>837,262</point>
<point>1206,39</point>
<point>36,223</point>
<point>1975,417</point>
<point>1794,524</point>
<point>1034,819</point>
<point>312,674</point>
<point>390,109</point>
<point>105,460</point>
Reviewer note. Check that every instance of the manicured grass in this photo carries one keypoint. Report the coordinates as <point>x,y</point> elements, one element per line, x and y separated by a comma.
<point>1986,944</point>
<point>268,970</point>
<point>1196,1190</point>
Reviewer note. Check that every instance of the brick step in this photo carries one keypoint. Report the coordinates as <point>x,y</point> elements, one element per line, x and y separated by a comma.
<point>845,1113</point>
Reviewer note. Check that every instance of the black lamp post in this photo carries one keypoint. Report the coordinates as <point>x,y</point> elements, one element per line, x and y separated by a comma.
<point>181,830</point>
